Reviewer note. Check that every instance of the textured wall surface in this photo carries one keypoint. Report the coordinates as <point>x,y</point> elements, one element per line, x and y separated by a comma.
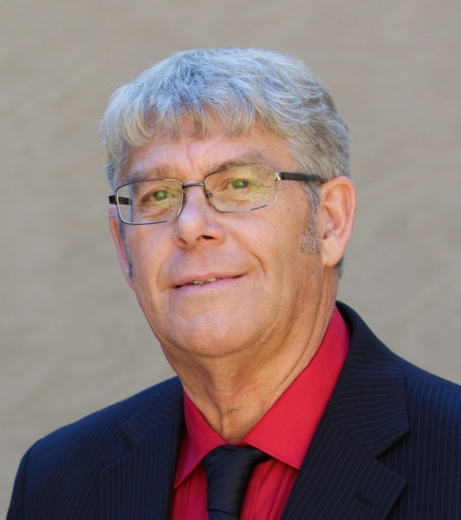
<point>73,338</point>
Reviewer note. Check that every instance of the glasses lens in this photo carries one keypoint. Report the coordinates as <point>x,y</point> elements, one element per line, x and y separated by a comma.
<point>149,202</point>
<point>242,188</point>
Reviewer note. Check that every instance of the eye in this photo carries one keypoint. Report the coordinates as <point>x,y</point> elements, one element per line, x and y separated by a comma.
<point>239,184</point>
<point>160,195</point>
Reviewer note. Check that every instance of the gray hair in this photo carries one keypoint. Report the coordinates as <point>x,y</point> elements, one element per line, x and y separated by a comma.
<point>235,88</point>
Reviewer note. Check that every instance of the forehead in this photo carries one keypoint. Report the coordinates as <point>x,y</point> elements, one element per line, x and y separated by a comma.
<point>190,157</point>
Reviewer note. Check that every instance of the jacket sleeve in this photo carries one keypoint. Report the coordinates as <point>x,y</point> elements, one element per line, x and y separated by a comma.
<point>17,505</point>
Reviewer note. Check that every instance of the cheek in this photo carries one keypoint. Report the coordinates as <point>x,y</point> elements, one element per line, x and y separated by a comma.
<point>294,259</point>
<point>148,255</point>
<point>277,249</point>
<point>282,232</point>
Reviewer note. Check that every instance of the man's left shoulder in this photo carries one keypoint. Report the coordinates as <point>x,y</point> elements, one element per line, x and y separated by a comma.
<point>430,398</point>
<point>427,395</point>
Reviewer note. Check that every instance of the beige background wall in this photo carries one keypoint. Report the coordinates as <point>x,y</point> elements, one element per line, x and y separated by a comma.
<point>73,339</point>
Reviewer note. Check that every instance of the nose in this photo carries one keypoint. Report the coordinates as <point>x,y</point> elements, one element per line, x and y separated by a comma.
<point>198,221</point>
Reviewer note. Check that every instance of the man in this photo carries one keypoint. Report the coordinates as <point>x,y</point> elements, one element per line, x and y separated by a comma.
<point>231,212</point>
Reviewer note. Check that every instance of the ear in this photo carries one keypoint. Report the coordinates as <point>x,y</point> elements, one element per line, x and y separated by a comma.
<point>338,201</point>
<point>120,245</point>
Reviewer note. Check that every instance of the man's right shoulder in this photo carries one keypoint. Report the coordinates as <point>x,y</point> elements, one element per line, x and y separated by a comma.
<point>60,474</point>
<point>105,427</point>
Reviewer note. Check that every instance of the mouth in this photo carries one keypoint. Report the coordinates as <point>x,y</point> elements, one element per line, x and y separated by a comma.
<point>206,281</point>
<point>203,282</point>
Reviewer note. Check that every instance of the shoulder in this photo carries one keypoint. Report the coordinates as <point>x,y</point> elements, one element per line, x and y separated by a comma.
<point>100,434</point>
<point>426,394</point>
<point>431,400</point>
<point>60,474</point>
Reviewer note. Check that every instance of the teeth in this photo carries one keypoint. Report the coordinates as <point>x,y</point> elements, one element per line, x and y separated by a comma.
<point>203,282</point>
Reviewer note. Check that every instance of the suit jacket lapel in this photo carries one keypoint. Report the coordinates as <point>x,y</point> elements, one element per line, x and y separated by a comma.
<point>139,485</point>
<point>341,476</point>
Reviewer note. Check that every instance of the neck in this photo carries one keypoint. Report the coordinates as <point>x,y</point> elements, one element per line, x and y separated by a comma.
<point>233,393</point>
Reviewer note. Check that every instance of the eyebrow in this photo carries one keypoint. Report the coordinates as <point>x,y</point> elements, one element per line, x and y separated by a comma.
<point>166,171</point>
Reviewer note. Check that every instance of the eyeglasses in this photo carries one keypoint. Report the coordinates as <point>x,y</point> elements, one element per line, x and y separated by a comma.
<point>235,190</point>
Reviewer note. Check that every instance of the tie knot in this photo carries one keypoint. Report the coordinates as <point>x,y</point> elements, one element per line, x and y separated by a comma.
<point>228,469</point>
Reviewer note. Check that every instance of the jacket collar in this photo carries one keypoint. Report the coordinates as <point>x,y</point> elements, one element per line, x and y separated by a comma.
<point>369,400</point>
<point>341,476</point>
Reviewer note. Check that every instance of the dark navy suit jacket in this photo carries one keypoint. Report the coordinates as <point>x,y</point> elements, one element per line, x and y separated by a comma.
<point>388,447</point>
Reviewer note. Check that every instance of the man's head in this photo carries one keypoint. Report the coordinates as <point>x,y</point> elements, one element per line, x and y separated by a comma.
<point>236,279</point>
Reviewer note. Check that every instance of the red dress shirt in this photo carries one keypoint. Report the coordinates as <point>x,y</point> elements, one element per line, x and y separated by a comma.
<point>284,432</point>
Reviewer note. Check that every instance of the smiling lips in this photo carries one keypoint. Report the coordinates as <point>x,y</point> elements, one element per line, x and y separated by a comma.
<point>206,281</point>
<point>203,282</point>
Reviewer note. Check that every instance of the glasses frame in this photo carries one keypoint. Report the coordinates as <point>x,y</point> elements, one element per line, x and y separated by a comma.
<point>278,176</point>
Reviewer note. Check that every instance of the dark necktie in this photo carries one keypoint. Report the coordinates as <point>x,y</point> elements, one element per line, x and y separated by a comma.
<point>228,471</point>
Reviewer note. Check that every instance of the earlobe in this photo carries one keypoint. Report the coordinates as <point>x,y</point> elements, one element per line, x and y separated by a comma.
<point>338,202</point>
<point>120,246</point>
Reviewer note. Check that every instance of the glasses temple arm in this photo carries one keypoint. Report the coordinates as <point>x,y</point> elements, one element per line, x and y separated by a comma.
<point>306,177</point>
<point>121,200</point>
